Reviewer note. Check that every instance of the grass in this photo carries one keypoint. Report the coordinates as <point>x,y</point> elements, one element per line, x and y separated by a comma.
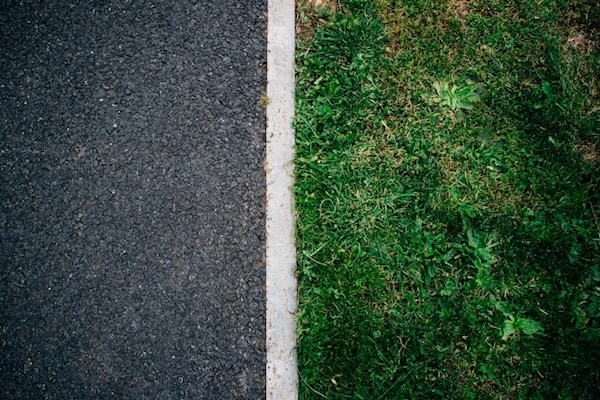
<point>447,197</point>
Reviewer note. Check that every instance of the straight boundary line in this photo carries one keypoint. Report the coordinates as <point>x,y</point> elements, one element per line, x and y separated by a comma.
<point>281,290</point>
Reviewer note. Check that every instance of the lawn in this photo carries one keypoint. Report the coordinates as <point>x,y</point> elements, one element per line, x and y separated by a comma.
<point>448,206</point>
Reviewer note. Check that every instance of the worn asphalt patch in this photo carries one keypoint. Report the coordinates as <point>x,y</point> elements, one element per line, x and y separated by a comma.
<point>132,226</point>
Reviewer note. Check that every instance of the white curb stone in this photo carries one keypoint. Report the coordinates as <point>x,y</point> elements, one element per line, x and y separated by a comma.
<point>282,370</point>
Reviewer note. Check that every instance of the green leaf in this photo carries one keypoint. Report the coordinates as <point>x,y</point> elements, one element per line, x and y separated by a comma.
<point>547,89</point>
<point>497,166</point>
<point>511,326</point>
<point>528,326</point>
<point>473,238</point>
<point>503,307</point>
<point>508,328</point>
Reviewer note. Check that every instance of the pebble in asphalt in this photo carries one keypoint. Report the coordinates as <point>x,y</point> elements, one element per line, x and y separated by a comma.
<point>132,199</point>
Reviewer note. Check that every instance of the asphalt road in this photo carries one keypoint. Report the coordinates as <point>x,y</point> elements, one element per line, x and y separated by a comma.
<point>132,199</point>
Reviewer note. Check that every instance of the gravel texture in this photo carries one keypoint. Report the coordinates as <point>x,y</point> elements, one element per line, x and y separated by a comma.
<point>132,199</point>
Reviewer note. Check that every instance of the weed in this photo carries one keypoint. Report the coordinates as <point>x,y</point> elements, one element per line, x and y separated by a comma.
<point>454,97</point>
<point>264,100</point>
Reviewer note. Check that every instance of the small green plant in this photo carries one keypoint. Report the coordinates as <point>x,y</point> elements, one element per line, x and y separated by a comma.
<point>548,92</point>
<point>513,325</point>
<point>455,97</point>
<point>482,244</point>
<point>264,100</point>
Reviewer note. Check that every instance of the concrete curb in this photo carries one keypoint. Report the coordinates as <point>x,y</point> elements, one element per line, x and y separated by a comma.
<point>282,371</point>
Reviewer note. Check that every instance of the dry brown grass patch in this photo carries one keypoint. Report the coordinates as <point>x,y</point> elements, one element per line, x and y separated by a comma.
<point>376,150</point>
<point>312,13</point>
<point>581,42</point>
<point>588,150</point>
<point>461,8</point>
<point>331,5</point>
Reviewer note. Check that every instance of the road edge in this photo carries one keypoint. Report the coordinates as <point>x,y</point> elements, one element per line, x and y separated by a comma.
<point>281,291</point>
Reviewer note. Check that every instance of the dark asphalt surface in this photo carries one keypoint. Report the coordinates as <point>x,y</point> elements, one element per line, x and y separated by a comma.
<point>132,199</point>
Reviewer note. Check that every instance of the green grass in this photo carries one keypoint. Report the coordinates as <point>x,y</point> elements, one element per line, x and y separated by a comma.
<point>448,162</point>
